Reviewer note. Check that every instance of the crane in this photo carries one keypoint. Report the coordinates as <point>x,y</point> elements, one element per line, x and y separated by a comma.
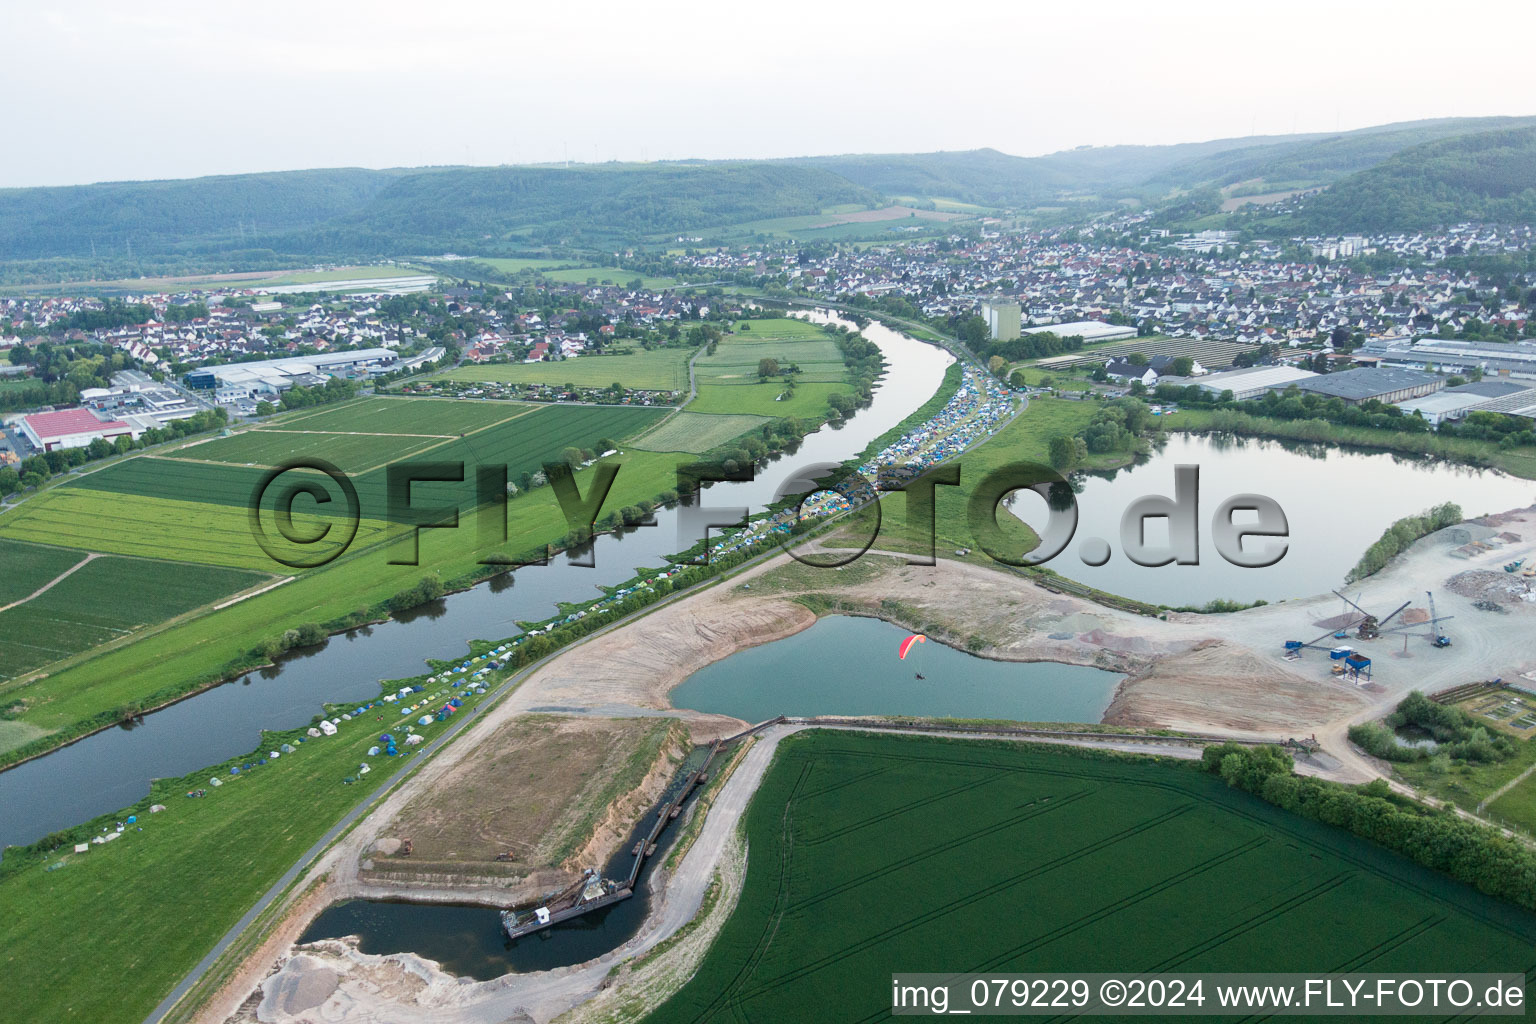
<point>1436,638</point>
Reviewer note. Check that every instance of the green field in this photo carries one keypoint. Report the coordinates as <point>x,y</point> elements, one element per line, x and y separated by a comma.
<point>352,452</point>
<point>809,400</point>
<point>523,438</point>
<point>728,380</point>
<point>165,664</point>
<point>562,270</point>
<point>127,920</point>
<point>28,567</point>
<point>213,532</point>
<point>106,600</point>
<point>877,854</point>
<point>143,506</point>
<point>339,274</point>
<point>655,370</point>
<point>696,432</point>
<point>435,416</point>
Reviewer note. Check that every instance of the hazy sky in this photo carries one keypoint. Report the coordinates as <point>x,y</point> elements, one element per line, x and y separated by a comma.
<point>151,89</point>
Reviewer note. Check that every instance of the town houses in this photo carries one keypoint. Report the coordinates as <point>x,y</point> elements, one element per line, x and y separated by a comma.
<point>1289,292</point>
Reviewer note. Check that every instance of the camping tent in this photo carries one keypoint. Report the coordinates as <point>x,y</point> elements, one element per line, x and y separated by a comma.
<point>328,728</point>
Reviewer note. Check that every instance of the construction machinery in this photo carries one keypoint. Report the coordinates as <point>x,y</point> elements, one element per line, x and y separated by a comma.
<point>1436,637</point>
<point>1431,628</point>
<point>1370,627</point>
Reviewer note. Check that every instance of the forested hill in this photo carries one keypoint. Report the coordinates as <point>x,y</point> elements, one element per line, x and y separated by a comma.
<point>355,211</point>
<point>147,217</point>
<point>1406,175</point>
<point>469,207</point>
<point>1320,159</point>
<point>1490,176</point>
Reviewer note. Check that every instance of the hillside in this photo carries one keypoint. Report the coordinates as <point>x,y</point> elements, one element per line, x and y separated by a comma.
<point>1490,176</point>
<point>353,211</point>
<point>1403,175</point>
<point>1319,159</point>
<point>475,207</point>
<point>226,211</point>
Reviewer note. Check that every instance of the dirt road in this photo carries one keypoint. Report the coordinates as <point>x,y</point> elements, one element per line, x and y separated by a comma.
<point>1222,674</point>
<point>405,989</point>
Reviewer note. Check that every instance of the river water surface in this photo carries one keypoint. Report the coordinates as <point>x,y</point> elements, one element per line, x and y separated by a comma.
<point>114,768</point>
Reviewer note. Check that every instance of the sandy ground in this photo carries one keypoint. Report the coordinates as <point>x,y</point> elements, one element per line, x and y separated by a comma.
<point>526,793</point>
<point>332,982</point>
<point>1224,674</point>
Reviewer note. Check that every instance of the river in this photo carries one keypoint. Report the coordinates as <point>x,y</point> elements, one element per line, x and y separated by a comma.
<point>113,768</point>
<point>1337,504</point>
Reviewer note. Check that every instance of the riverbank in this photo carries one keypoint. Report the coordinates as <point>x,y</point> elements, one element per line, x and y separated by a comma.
<point>1519,462</point>
<point>1224,674</point>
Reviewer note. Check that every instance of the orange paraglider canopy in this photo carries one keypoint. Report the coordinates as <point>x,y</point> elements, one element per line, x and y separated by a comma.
<point>906,645</point>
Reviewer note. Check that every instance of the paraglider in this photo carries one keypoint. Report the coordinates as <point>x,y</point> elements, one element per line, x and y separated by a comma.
<point>906,645</point>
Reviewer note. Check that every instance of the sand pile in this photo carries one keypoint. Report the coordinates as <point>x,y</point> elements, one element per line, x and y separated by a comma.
<point>1124,644</point>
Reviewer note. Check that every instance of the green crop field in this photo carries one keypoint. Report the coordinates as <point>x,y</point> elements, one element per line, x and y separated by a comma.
<point>28,566</point>
<point>656,370</point>
<point>209,532</point>
<point>349,452</point>
<point>523,440</point>
<point>106,600</point>
<point>696,432</point>
<point>434,416</point>
<point>563,271</point>
<point>877,854</point>
<point>201,649</point>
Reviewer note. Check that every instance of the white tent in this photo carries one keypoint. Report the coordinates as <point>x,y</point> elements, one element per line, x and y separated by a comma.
<point>328,728</point>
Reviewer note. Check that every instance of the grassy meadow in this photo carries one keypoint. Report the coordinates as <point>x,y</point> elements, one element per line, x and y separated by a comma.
<point>127,920</point>
<point>663,369</point>
<point>197,513</point>
<point>872,854</point>
<point>696,432</point>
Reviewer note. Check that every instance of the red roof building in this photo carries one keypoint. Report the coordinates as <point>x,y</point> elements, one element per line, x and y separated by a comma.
<point>70,428</point>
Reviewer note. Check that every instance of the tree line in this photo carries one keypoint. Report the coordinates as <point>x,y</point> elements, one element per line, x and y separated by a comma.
<point>1465,850</point>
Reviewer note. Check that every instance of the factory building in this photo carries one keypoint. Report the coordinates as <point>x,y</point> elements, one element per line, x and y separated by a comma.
<point>235,382</point>
<point>1252,382</point>
<point>1515,359</point>
<point>71,428</point>
<point>1091,331</point>
<point>1384,384</point>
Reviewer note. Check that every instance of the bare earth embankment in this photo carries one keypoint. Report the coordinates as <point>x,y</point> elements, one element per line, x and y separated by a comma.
<point>1223,674</point>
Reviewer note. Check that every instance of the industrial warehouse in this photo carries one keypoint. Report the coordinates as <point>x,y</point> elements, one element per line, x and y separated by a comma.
<point>236,382</point>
